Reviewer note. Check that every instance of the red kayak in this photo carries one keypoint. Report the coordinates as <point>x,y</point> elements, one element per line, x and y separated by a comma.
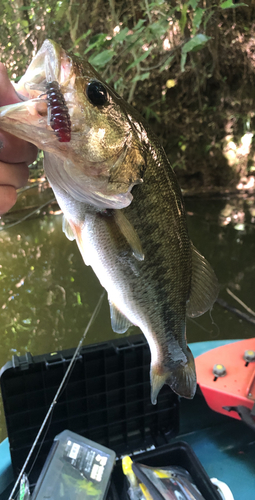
<point>226,377</point>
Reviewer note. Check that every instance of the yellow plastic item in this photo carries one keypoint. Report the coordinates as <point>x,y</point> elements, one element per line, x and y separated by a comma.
<point>128,471</point>
<point>145,492</point>
<point>161,473</point>
<point>134,482</point>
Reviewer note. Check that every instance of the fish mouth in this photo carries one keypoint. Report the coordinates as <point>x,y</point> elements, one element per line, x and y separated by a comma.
<point>30,118</point>
<point>51,63</point>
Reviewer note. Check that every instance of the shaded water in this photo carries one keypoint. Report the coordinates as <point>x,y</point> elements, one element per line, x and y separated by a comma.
<point>47,294</point>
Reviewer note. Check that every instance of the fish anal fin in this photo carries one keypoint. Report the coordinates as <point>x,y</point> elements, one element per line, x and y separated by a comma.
<point>66,227</point>
<point>129,234</point>
<point>181,379</point>
<point>120,323</point>
<point>204,286</point>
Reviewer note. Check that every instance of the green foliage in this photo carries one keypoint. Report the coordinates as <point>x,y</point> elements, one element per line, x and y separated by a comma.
<point>119,38</point>
<point>193,45</point>
<point>230,5</point>
<point>138,48</point>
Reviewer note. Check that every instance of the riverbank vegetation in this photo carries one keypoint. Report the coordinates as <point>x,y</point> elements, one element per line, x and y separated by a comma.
<point>189,67</point>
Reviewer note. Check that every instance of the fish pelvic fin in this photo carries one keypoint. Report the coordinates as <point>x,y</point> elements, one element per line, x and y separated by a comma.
<point>181,379</point>
<point>204,286</point>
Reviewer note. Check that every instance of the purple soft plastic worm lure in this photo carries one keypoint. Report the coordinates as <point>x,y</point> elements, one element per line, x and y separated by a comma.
<point>59,115</point>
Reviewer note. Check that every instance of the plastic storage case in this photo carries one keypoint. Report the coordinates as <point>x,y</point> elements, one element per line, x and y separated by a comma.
<point>106,399</point>
<point>76,467</point>
<point>176,454</point>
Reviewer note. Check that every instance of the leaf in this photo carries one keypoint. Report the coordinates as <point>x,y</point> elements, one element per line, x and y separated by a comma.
<point>118,83</point>
<point>183,60</point>
<point>230,5</point>
<point>101,59</point>
<point>139,59</point>
<point>193,3</point>
<point>82,37</point>
<point>166,63</point>
<point>195,43</point>
<point>150,113</point>
<point>159,28</point>
<point>207,18</point>
<point>61,8</point>
<point>140,78</point>
<point>96,41</point>
<point>24,23</point>
<point>139,24</point>
<point>198,18</point>
<point>78,296</point>
<point>25,7</point>
<point>183,19</point>
<point>121,35</point>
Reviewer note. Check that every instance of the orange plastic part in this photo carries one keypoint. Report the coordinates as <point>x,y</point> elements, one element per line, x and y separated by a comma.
<point>237,386</point>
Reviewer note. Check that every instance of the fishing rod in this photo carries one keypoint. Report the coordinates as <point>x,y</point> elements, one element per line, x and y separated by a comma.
<point>55,399</point>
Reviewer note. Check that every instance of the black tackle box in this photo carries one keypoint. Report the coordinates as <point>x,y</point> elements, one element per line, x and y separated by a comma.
<point>105,399</point>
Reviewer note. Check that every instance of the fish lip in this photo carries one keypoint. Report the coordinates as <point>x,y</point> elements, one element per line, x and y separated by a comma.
<point>33,82</point>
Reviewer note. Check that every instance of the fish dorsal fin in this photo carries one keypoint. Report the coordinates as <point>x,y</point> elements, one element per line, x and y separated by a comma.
<point>129,233</point>
<point>67,229</point>
<point>120,323</point>
<point>204,285</point>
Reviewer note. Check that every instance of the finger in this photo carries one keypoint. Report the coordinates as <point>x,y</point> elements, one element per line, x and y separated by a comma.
<point>8,96</point>
<point>14,150</point>
<point>8,198</point>
<point>13,174</point>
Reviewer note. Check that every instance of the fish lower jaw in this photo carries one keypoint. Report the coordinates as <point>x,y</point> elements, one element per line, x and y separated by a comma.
<point>28,120</point>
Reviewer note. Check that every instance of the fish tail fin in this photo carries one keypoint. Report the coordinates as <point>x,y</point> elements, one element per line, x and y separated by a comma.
<point>181,379</point>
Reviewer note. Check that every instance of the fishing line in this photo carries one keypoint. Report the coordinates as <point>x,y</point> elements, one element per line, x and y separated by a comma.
<point>214,336</point>
<point>198,325</point>
<point>54,401</point>
<point>26,216</point>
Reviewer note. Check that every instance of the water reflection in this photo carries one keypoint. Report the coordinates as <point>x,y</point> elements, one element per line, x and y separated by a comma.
<point>47,294</point>
<point>224,232</point>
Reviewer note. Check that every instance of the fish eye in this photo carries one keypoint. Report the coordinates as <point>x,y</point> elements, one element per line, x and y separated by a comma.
<point>97,93</point>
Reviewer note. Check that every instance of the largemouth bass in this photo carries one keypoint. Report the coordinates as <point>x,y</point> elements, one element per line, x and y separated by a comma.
<point>121,202</point>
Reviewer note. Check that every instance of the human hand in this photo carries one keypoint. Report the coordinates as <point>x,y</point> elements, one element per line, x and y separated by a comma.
<point>15,154</point>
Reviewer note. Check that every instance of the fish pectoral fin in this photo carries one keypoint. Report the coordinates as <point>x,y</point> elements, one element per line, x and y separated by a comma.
<point>181,379</point>
<point>120,323</point>
<point>129,234</point>
<point>78,235</point>
<point>67,229</point>
<point>204,286</point>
